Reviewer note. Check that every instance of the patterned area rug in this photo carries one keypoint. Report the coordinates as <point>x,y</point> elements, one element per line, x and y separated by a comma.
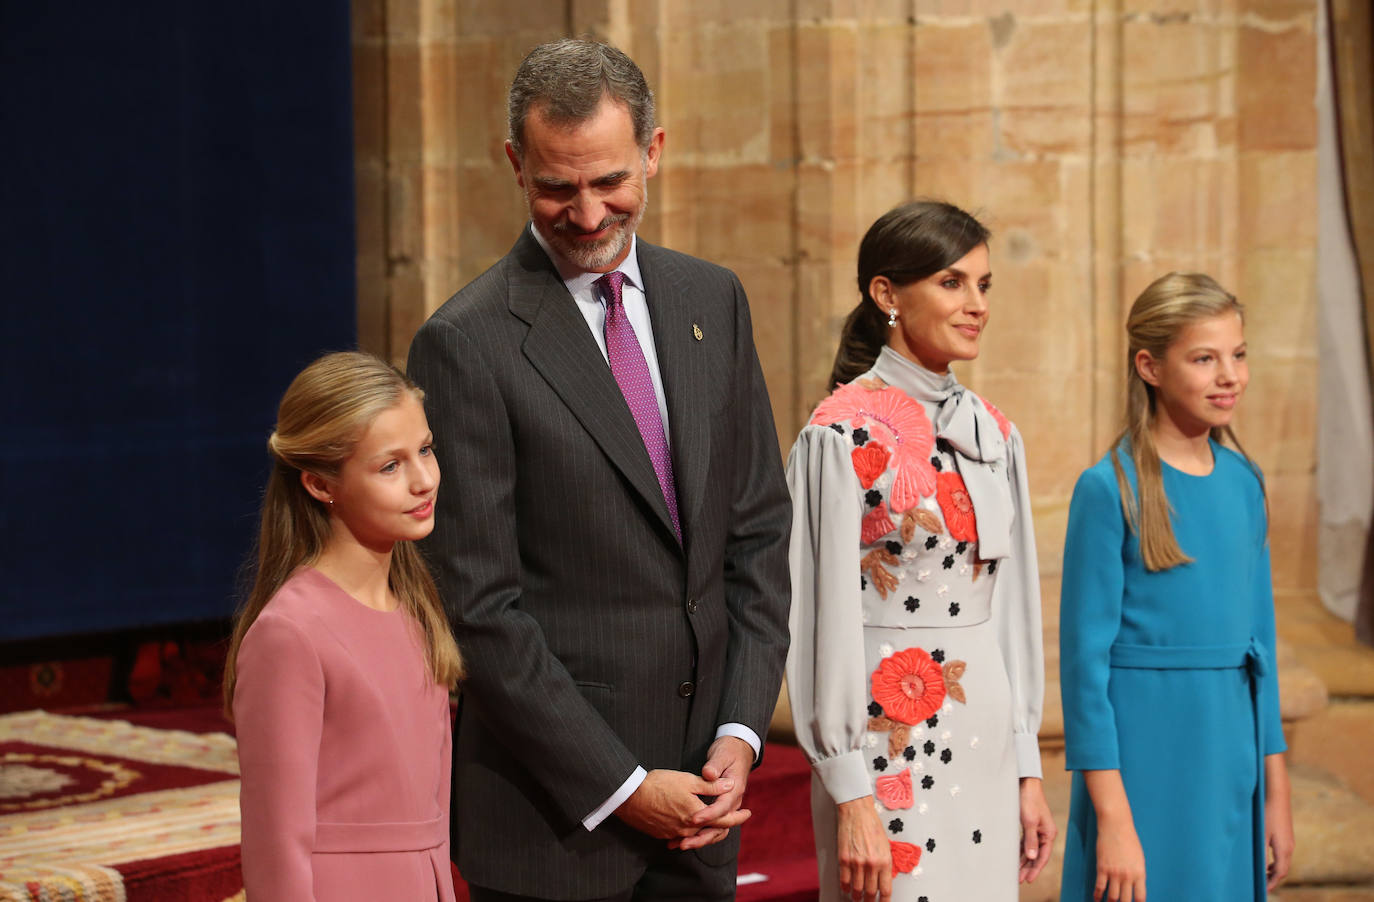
<point>95,809</point>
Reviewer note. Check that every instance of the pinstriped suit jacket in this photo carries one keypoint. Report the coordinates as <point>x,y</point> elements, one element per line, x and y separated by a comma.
<point>581,616</point>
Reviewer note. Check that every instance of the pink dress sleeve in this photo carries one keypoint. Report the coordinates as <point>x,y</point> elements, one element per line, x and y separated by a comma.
<point>278,711</point>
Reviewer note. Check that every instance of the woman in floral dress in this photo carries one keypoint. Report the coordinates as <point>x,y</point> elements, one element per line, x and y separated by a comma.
<point>916,670</point>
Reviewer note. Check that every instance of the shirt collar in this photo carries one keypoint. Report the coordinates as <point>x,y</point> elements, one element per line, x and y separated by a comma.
<point>579,282</point>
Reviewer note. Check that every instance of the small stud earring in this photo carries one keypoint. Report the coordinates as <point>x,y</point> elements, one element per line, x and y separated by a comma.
<point>331,500</point>
<point>892,318</point>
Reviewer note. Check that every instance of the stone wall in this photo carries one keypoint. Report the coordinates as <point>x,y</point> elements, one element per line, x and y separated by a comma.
<point>1104,141</point>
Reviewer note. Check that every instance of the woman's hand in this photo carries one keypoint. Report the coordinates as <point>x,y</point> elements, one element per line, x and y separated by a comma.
<point>1037,830</point>
<point>865,852</point>
<point>1120,858</point>
<point>1278,819</point>
<point>1120,863</point>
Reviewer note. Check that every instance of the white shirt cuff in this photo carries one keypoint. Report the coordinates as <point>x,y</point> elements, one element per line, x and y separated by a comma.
<point>845,777</point>
<point>740,731</point>
<point>1027,754</point>
<point>618,798</point>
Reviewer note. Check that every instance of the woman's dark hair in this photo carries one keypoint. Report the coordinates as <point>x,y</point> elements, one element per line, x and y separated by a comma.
<point>906,244</point>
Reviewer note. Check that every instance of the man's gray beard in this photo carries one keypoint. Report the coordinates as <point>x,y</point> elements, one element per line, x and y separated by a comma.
<point>598,256</point>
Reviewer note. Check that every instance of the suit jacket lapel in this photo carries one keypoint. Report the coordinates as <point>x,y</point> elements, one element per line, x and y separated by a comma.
<point>562,349</point>
<point>684,373</point>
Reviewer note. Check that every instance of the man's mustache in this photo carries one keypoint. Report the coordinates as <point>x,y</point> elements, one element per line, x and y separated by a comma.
<point>604,224</point>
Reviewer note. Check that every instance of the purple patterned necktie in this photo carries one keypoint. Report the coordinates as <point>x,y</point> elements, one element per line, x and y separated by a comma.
<point>632,374</point>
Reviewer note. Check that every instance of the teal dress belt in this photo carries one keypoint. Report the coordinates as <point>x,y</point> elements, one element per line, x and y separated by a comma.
<point>1250,657</point>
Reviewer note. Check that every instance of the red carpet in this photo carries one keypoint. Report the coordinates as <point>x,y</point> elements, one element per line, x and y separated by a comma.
<point>143,806</point>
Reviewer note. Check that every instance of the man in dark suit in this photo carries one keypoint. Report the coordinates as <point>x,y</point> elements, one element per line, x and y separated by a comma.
<point>611,540</point>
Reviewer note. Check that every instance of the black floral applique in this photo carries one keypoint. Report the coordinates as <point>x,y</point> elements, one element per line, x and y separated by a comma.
<point>912,603</point>
<point>954,609</point>
<point>923,899</point>
<point>930,844</point>
<point>880,763</point>
<point>938,464</point>
<point>961,548</point>
<point>927,781</point>
<point>894,547</point>
<point>875,709</point>
<point>860,436</point>
<point>895,825</point>
<point>909,753</point>
<point>946,756</point>
<point>992,567</point>
<point>931,542</point>
<point>933,721</point>
<point>873,497</point>
<point>938,656</point>
<point>948,562</point>
<point>863,583</point>
<point>837,427</point>
<point>928,748</point>
<point>977,837</point>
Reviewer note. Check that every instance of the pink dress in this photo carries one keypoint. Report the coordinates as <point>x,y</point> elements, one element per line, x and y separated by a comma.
<point>344,747</point>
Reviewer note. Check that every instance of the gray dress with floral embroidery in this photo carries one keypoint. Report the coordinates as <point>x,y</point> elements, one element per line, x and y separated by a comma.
<point>916,671</point>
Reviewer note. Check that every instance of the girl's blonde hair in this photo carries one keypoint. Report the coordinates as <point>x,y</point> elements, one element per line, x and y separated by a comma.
<point>1158,317</point>
<point>322,416</point>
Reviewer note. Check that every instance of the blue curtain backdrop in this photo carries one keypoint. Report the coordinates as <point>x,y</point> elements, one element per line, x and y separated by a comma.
<point>176,229</point>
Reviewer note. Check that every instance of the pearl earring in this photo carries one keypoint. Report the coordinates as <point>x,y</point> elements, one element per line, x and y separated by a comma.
<point>892,318</point>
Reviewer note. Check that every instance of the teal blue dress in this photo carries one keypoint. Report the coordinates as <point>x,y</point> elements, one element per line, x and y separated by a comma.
<point>1169,678</point>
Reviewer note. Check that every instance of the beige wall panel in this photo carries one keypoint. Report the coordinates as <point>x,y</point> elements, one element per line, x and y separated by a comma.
<point>1293,527</point>
<point>1035,132</point>
<point>744,213</point>
<point>1275,98</point>
<point>770,286</point>
<point>960,135</point>
<point>1280,419</point>
<point>1045,65</point>
<point>953,67</point>
<point>497,19</point>
<point>1278,203</point>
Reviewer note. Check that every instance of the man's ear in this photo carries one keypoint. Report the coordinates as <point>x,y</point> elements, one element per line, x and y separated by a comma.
<point>652,153</point>
<point>515,164</point>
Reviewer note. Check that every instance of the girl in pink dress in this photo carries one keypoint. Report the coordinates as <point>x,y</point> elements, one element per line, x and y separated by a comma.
<point>341,662</point>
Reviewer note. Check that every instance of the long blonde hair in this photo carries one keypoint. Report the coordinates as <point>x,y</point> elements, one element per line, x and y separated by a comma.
<point>323,414</point>
<point>1164,309</point>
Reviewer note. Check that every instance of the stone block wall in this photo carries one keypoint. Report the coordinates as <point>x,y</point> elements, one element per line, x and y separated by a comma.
<point>1104,141</point>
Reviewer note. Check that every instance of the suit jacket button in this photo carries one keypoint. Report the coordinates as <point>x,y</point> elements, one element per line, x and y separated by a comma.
<point>686,689</point>
<point>691,606</point>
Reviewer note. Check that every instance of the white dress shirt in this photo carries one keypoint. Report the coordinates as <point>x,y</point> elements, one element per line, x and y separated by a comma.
<point>582,287</point>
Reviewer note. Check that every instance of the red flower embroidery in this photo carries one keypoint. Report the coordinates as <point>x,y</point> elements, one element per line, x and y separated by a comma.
<point>957,507</point>
<point>909,685</point>
<point>905,857</point>
<point>869,462</point>
<point>894,790</point>
<point>876,524</point>
<point>1003,423</point>
<point>887,410</point>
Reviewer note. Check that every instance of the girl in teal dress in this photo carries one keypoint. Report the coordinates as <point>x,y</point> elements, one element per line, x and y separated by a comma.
<point>1171,711</point>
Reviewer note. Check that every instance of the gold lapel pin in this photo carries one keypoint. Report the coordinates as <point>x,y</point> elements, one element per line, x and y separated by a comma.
<point>696,331</point>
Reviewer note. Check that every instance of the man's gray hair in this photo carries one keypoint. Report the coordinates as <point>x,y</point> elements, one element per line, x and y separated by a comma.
<point>568,79</point>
